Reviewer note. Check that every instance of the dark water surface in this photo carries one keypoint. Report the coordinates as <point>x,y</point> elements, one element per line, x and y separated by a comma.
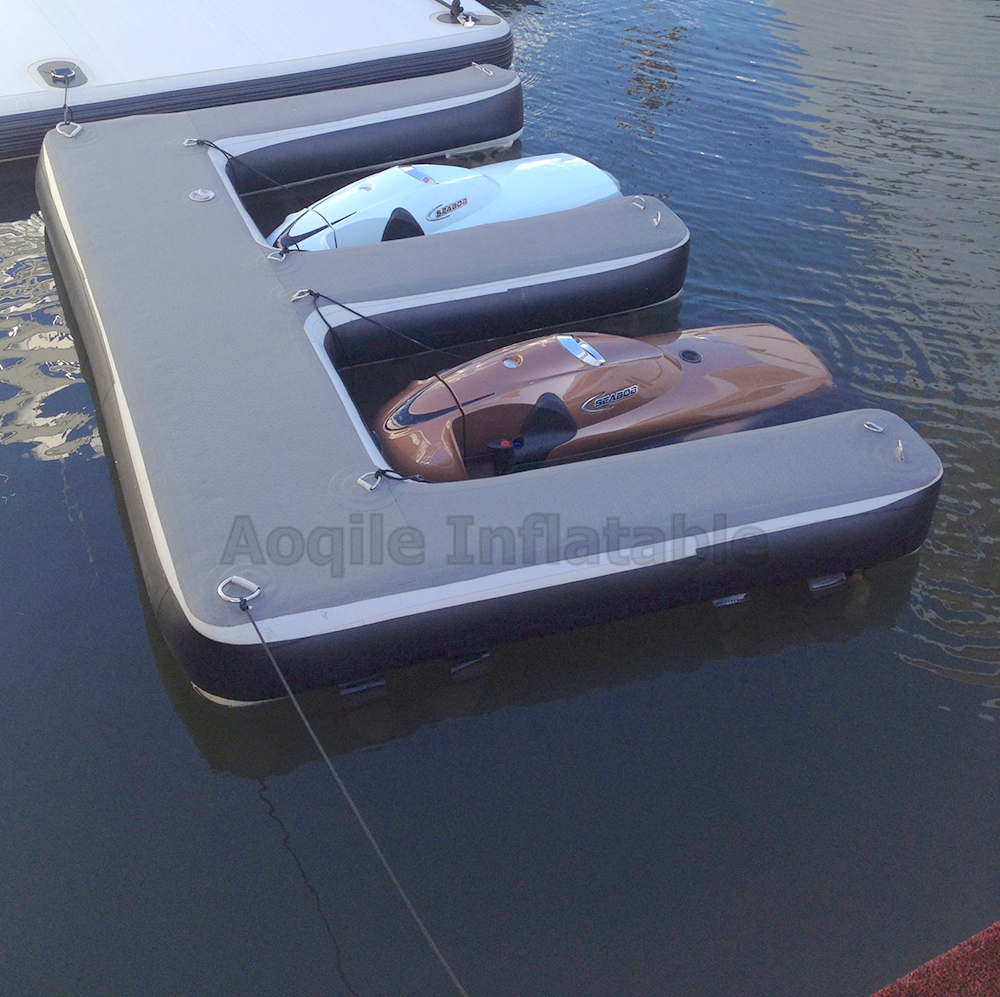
<point>794,797</point>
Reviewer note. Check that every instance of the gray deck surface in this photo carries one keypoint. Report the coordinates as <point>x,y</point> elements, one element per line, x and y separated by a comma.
<point>235,415</point>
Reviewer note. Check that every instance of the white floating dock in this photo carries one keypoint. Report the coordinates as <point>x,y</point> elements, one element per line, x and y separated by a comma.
<point>139,56</point>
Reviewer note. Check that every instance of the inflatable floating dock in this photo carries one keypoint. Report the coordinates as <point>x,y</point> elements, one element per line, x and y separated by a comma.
<point>241,453</point>
<point>106,60</point>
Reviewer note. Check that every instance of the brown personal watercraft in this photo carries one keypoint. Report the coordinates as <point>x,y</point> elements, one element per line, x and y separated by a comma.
<point>583,394</point>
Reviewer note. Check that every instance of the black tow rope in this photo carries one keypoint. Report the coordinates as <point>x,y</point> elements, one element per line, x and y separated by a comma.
<point>243,602</point>
<point>307,292</point>
<point>236,161</point>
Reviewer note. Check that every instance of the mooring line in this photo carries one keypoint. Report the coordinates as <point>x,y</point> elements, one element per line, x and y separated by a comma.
<point>245,606</point>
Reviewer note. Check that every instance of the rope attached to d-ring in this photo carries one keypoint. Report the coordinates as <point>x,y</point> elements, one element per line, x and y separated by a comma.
<point>244,604</point>
<point>307,292</point>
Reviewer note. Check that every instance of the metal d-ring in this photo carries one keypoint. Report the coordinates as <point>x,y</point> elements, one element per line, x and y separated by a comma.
<point>252,590</point>
<point>369,485</point>
<point>874,427</point>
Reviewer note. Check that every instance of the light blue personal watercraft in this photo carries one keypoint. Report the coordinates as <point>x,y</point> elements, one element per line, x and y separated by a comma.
<point>406,201</point>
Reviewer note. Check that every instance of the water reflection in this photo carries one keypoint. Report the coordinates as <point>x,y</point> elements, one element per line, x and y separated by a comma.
<point>44,403</point>
<point>507,8</point>
<point>652,74</point>
<point>965,675</point>
<point>286,843</point>
<point>267,740</point>
<point>905,117</point>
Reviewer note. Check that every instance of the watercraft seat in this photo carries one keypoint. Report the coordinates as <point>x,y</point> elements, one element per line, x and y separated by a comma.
<point>547,426</point>
<point>401,225</point>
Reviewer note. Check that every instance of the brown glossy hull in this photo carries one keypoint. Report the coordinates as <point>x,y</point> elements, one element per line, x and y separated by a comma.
<point>567,397</point>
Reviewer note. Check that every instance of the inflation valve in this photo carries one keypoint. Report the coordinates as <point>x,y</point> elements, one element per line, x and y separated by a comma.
<point>458,14</point>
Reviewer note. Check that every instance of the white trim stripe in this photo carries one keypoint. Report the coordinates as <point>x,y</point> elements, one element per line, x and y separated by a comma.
<point>516,581</point>
<point>128,426</point>
<point>237,145</point>
<point>336,315</point>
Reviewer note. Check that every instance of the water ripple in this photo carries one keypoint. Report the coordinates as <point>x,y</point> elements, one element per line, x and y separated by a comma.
<point>840,183</point>
<point>38,361</point>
